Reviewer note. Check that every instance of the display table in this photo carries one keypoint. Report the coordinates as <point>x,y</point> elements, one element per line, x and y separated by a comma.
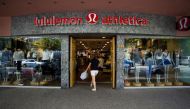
<point>26,71</point>
<point>178,83</point>
<point>160,84</point>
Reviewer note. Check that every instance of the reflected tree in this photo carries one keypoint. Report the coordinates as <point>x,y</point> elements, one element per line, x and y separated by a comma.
<point>48,43</point>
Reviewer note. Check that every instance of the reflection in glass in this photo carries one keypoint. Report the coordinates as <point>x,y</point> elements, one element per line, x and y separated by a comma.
<point>30,61</point>
<point>157,62</point>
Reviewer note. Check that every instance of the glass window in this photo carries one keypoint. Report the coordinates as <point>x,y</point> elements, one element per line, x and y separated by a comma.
<point>157,62</point>
<point>30,61</point>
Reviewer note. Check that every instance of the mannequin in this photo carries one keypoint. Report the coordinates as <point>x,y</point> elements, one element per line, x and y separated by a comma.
<point>46,59</point>
<point>17,58</point>
<point>149,63</point>
<point>6,56</point>
<point>167,63</point>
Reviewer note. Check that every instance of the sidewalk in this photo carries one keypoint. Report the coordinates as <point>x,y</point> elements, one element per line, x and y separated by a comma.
<point>81,97</point>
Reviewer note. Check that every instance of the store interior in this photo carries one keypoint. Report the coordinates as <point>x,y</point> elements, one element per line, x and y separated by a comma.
<point>99,46</point>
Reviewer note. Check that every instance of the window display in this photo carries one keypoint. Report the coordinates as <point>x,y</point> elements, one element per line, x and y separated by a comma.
<point>28,61</point>
<point>157,62</point>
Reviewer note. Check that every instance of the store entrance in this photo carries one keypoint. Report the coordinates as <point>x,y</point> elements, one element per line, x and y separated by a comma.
<point>81,51</point>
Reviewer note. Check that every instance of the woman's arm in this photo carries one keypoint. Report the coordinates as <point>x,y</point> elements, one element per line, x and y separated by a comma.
<point>88,66</point>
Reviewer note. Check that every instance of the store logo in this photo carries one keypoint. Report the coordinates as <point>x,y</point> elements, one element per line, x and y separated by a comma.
<point>183,24</point>
<point>92,18</point>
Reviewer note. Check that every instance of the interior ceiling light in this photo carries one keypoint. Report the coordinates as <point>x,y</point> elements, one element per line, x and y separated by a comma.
<point>103,37</point>
<point>108,42</point>
<point>105,44</point>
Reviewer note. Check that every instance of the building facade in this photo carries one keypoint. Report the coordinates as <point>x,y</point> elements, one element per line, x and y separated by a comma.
<point>135,34</point>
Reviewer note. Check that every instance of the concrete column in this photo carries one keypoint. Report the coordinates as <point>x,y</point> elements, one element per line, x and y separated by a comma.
<point>120,41</point>
<point>65,61</point>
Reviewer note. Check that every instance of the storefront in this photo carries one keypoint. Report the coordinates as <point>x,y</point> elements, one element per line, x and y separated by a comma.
<point>115,36</point>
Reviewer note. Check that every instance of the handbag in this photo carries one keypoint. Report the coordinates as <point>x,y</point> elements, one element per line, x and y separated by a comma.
<point>84,75</point>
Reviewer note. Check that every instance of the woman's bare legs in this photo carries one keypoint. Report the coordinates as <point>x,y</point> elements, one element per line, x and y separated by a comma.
<point>91,83</point>
<point>94,83</point>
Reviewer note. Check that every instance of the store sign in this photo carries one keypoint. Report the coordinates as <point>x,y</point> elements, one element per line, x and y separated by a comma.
<point>52,21</point>
<point>183,24</point>
<point>91,18</point>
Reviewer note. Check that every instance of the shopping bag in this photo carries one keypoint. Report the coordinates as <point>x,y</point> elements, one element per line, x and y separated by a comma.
<point>84,75</point>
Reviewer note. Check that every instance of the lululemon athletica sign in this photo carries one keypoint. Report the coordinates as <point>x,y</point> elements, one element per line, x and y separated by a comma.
<point>183,24</point>
<point>91,19</point>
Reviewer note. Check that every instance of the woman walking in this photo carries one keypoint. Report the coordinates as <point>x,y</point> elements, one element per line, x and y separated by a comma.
<point>93,66</point>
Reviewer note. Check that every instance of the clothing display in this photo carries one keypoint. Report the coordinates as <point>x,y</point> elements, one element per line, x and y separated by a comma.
<point>56,55</point>
<point>1,52</point>
<point>46,55</point>
<point>17,57</point>
<point>25,62</point>
<point>167,62</point>
<point>3,73</point>
<point>6,56</point>
<point>101,62</point>
<point>31,55</point>
<point>56,69</point>
<point>128,63</point>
